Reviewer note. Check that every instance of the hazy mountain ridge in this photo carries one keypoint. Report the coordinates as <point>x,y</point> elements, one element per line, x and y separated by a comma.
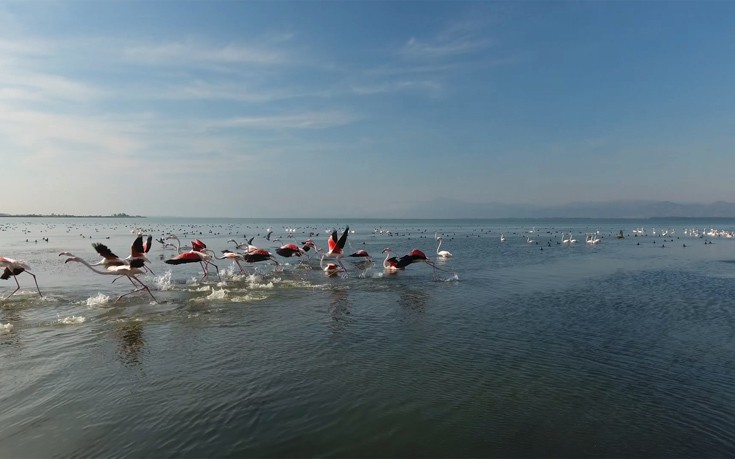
<point>451,208</point>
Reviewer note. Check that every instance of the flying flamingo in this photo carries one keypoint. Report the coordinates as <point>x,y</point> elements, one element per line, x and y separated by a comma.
<point>416,256</point>
<point>129,270</point>
<point>13,268</point>
<point>139,249</point>
<point>336,248</point>
<point>258,255</point>
<point>332,269</point>
<point>443,253</point>
<point>289,250</point>
<point>307,246</point>
<point>197,254</point>
<point>247,246</point>
<point>236,257</point>
<point>179,249</point>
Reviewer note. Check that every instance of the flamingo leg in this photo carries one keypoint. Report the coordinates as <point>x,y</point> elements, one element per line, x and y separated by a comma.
<point>216,269</point>
<point>242,271</point>
<point>34,280</point>
<point>204,270</point>
<point>142,287</point>
<point>346,274</point>
<point>17,288</point>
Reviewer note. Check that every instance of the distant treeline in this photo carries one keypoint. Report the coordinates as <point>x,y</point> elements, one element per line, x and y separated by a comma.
<point>120,215</point>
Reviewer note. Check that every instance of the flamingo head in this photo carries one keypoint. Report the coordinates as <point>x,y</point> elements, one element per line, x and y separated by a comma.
<point>387,250</point>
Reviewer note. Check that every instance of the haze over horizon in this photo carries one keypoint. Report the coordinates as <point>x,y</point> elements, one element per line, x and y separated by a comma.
<point>362,109</point>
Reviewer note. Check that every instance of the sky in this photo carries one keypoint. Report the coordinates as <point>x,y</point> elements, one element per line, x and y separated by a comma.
<point>299,109</point>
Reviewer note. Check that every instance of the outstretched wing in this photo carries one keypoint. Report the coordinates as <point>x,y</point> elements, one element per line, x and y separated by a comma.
<point>137,250</point>
<point>104,251</point>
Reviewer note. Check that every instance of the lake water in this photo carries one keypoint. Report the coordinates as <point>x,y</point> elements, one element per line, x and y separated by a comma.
<point>517,349</point>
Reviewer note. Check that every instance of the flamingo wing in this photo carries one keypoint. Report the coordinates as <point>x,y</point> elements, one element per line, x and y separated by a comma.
<point>198,245</point>
<point>332,242</point>
<point>137,250</point>
<point>7,272</point>
<point>104,251</point>
<point>186,257</point>
<point>147,246</point>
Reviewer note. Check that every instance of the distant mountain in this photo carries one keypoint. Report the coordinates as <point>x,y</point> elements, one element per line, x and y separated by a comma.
<point>451,208</point>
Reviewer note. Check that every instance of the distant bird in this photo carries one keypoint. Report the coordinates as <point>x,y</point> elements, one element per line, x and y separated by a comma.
<point>129,270</point>
<point>13,268</point>
<point>197,254</point>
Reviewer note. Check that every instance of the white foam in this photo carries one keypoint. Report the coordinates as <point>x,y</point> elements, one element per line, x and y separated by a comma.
<point>248,298</point>
<point>164,281</point>
<point>98,300</point>
<point>6,328</point>
<point>72,320</point>
<point>217,294</point>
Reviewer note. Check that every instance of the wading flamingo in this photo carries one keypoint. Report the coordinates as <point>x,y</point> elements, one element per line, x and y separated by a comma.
<point>129,270</point>
<point>13,268</point>
<point>442,253</point>
<point>197,254</point>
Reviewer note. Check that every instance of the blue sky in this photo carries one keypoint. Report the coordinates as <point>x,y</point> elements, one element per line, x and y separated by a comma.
<point>361,109</point>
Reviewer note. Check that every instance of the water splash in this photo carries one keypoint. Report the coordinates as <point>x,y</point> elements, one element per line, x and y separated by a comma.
<point>98,300</point>
<point>164,281</point>
<point>73,320</point>
<point>217,294</point>
<point>6,328</point>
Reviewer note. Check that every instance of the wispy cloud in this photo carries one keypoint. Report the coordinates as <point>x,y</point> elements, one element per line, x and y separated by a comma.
<point>443,48</point>
<point>190,53</point>
<point>309,120</point>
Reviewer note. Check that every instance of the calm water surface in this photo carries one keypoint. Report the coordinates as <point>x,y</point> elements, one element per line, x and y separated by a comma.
<point>624,348</point>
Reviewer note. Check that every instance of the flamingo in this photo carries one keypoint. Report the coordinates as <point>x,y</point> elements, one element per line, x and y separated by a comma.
<point>363,260</point>
<point>390,264</point>
<point>414,256</point>
<point>179,249</point>
<point>258,255</point>
<point>307,246</point>
<point>13,268</point>
<point>442,253</point>
<point>196,254</point>
<point>247,246</point>
<point>236,257</point>
<point>332,269</point>
<point>129,270</point>
<point>336,248</point>
<point>139,249</point>
<point>289,250</point>
<point>502,237</point>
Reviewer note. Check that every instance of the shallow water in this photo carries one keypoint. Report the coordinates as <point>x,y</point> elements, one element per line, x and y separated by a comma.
<point>624,348</point>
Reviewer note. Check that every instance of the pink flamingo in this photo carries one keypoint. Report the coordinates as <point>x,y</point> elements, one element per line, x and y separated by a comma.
<point>13,268</point>
<point>197,254</point>
<point>129,270</point>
